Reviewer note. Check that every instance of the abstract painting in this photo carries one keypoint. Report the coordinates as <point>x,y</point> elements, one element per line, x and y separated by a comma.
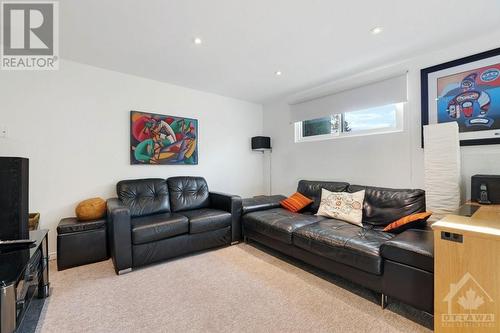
<point>465,91</point>
<point>162,139</point>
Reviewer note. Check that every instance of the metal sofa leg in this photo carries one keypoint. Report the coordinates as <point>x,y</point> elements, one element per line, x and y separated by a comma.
<point>245,239</point>
<point>383,301</point>
<point>125,271</point>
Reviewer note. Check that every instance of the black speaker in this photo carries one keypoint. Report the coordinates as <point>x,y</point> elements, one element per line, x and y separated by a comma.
<point>261,143</point>
<point>485,189</point>
<point>14,174</point>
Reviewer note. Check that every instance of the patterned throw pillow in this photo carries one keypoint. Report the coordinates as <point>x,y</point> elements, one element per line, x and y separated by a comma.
<point>296,202</point>
<point>342,206</point>
<point>408,222</point>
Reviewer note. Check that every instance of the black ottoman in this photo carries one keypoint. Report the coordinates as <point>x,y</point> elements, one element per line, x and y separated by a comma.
<point>80,243</point>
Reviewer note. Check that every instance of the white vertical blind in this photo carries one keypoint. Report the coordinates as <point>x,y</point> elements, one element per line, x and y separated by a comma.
<point>442,168</point>
<point>388,91</point>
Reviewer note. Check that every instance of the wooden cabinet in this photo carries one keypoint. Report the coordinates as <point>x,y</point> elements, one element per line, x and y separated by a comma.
<point>467,272</point>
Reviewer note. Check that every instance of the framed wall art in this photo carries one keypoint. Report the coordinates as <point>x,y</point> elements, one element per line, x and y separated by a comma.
<point>162,139</point>
<point>466,91</point>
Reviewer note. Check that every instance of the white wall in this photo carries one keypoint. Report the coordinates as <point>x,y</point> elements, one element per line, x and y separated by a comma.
<point>73,125</point>
<point>392,160</point>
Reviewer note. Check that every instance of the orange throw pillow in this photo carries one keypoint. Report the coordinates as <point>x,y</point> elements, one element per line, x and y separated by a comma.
<point>91,209</point>
<point>408,222</point>
<point>296,202</point>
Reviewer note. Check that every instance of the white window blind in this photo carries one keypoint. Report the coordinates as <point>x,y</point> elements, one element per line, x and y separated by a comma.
<point>384,92</point>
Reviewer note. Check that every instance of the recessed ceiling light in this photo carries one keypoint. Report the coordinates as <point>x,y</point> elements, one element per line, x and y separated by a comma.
<point>376,30</point>
<point>278,73</point>
<point>197,41</point>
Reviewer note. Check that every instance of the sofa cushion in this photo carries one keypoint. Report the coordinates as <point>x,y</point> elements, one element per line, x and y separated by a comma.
<point>383,206</point>
<point>156,227</point>
<point>412,247</point>
<point>144,196</point>
<point>187,193</point>
<point>343,242</point>
<point>312,189</point>
<point>277,223</point>
<point>206,219</point>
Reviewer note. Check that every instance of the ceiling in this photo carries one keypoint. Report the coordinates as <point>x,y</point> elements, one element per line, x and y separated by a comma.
<point>246,41</point>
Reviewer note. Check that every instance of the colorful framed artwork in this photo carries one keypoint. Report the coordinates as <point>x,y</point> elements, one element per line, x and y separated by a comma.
<point>466,91</point>
<point>162,139</point>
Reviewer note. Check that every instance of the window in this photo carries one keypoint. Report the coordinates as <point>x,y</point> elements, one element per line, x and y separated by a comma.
<point>321,126</point>
<point>377,120</point>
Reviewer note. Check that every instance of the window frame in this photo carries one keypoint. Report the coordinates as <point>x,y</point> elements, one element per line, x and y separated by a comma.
<point>400,108</point>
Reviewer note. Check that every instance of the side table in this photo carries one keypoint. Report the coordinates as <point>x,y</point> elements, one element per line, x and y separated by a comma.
<point>467,271</point>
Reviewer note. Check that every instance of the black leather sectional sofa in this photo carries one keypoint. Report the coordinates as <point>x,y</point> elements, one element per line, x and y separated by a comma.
<point>157,219</point>
<point>397,265</point>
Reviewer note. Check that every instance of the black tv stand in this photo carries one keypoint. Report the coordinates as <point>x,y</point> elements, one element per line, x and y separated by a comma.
<point>24,273</point>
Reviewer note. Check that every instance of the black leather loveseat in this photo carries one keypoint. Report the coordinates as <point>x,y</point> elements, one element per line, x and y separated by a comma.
<point>156,219</point>
<point>400,266</point>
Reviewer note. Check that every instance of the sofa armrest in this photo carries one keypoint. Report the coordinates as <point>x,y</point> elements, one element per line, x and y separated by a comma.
<point>261,202</point>
<point>232,204</point>
<point>413,247</point>
<point>119,235</point>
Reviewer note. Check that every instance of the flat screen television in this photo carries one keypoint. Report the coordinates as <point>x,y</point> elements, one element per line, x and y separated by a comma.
<point>14,175</point>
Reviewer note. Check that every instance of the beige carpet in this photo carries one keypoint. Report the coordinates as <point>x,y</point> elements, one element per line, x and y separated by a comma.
<point>234,289</point>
